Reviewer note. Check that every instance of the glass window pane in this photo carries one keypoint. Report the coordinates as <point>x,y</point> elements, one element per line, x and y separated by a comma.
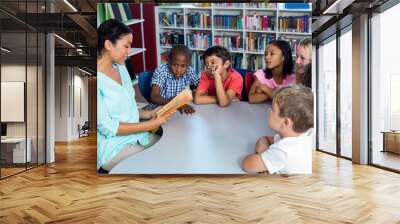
<point>385,84</point>
<point>327,96</point>
<point>41,99</point>
<point>31,98</point>
<point>346,94</point>
<point>13,85</point>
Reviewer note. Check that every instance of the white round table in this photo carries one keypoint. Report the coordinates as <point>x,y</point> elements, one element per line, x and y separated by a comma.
<point>213,140</point>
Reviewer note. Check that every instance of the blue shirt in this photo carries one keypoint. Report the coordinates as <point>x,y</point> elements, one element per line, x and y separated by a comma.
<point>115,103</point>
<point>169,85</point>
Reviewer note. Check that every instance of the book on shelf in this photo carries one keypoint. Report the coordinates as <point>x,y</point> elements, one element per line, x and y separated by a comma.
<point>198,20</point>
<point>255,62</point>
<point>228,22</point>
<point>261,5</point>
<point>228,5</point>
<point>304,6</point>
<point>230,42</point>
<point>260,22</point>
<point>237,61</point>
<point>293,42</point>
<point>257,42</point>
<point>199,40</point>
<point>202,4</point>
<point>177,102</point>
<point>170,38</point>
<point>118,11</point>
<point>164,57</point>
<point>298,24</point>
<point>197,64</point>
<point>172,19</point>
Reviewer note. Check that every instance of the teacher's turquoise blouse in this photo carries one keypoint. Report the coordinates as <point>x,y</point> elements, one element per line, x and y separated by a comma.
<point>115,103</point>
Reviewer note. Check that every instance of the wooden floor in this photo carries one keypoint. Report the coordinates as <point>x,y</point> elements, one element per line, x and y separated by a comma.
<point>387,159</point>
<point>70,191</point>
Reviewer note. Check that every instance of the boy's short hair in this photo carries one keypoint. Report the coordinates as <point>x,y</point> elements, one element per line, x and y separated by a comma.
<point>297,103</point>
<point>180,49</point>
<point>218,51</point>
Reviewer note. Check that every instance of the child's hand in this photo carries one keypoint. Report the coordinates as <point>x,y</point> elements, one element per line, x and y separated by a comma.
<point>262,145</point>
<point>218,71</point>
<point>235,99</point>
<point>266,89</point>
<point>258,89</point>
<point>187,109</point>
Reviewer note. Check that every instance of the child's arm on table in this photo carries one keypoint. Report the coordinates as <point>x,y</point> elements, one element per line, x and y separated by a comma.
<point>256,95</point>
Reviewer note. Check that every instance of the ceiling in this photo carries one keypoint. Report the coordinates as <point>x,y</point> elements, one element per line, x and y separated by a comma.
<point>79,27</point>
<point>22,20</point>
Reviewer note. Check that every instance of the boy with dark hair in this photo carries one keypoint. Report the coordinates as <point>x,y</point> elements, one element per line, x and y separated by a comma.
<point>172,78</point>
<point>219,83</point>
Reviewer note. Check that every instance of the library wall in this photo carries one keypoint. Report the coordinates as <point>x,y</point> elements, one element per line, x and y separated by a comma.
<point>245,29</point>
<point>149,40</point>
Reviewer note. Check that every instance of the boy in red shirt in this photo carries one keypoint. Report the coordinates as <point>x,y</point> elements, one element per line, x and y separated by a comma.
<point>219,83</point>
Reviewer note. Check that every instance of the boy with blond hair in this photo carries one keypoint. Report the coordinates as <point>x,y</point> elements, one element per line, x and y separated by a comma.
<point>290,151</point>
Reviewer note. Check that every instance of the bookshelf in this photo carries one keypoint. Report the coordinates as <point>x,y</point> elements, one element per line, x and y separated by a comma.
<point>242,28</point>
<point>121,12</point>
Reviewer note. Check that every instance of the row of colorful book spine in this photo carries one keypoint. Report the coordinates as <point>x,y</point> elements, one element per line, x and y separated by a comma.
<point>170,38</point>
<point>260,22</point>
<point>294,24</point>
<point>118,11</point>
<point>173,19</point>
<point>256,42</point>
<point>228,21</point>
<point>294,43</point>
<point>198,20</point>
<point>229,42</point>
<point>199,40</point>
<point>251,22</point>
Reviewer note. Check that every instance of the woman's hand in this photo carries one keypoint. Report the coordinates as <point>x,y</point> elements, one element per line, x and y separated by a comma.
<point>161,119</point>
<point>153,113</point>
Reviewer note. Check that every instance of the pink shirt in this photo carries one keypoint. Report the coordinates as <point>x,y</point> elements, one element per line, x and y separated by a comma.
<point>290,79</point>
<point>234,81</point>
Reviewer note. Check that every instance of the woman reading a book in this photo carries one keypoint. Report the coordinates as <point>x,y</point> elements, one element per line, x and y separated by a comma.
<point>119,132</point>
<point>278,73</point>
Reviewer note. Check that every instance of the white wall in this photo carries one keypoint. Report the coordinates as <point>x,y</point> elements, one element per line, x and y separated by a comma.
<point>71,93</point>
<point>17,73</point>
<point>33,127</point>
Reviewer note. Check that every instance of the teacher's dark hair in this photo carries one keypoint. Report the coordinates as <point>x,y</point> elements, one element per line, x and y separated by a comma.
<point>111,30</point>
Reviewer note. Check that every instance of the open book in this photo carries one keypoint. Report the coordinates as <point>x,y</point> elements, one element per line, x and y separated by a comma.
<point>177,102</point>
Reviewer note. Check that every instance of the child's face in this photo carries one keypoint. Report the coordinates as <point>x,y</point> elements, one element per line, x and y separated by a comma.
<point>303,58</point>
<point>179,65</point>
<point>275,122</point>
<point>273,57</point>
<point>213,62</point>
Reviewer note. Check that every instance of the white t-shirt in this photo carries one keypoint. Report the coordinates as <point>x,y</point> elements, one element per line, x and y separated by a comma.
<point>290,155</point>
